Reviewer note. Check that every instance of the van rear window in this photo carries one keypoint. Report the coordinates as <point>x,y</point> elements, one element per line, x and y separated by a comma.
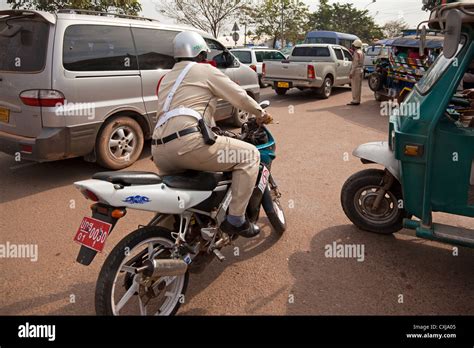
<point>98,48</point>
<point>310,52</point>
<point>23,44</point>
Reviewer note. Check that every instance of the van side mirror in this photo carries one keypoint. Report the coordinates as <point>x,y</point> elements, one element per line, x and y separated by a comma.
<point>452,35</point>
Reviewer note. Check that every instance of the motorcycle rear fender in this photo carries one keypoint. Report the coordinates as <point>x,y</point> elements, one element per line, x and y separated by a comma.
<point>154,198</point>
<point>379,152</point>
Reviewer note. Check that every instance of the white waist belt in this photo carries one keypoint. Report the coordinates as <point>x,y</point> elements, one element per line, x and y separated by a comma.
<point>178,112</point>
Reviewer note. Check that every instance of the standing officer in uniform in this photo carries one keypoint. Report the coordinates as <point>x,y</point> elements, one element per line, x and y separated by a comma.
<point>357,72</point>
<point>188,94</point>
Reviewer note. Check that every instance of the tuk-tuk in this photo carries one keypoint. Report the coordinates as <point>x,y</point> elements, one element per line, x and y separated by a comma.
<point>400,65</point>
<point>429,155</point>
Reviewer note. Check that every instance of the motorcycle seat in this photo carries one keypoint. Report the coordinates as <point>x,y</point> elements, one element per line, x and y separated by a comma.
<point>129,178</point>
<point>195,180</point>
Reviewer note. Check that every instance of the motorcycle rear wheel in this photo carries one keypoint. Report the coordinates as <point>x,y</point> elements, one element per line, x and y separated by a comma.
<point>274,211</point>
<point>128,254</point>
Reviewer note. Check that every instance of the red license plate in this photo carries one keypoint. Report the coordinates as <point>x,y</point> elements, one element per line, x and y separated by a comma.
<point>92,233</point>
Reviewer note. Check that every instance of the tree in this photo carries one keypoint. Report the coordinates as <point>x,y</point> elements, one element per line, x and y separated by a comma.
<point>211,16</point>
<point>430,5</point>
<point>394,28</point>
<point>270,16</point>
<point>345,18</point>
<point>129,7</point>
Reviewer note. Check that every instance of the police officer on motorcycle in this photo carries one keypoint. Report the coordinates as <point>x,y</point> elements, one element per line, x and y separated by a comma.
<point>182,139</point>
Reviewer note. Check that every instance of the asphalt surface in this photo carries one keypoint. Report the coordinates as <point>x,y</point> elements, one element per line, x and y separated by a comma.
<point>286,276</point>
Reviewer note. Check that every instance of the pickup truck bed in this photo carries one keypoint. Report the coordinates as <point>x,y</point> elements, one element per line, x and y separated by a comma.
<point>313,66</point>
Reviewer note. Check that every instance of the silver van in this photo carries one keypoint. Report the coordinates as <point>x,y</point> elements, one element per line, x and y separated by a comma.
<point>82,83</point>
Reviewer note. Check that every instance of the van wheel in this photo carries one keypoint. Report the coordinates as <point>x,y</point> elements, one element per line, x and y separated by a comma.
<point>281,91</point>
<point>239,118</point>
<point>326,89</point>
<point>120,143</point>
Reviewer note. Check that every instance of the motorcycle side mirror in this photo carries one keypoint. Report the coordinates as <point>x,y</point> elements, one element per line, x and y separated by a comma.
<point>265,104</point>
<point>453,33</point>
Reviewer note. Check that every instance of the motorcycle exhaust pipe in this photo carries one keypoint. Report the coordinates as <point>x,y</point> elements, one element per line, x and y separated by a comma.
<point>164,267</point>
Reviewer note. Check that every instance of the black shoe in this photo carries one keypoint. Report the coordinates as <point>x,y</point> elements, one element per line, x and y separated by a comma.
<point>353,103</point>
<point>247,230</point>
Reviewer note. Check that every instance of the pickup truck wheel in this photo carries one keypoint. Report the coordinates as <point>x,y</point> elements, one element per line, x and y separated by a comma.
<point>260,82</point>
<point>119,143</point>
<point>325,90</point>
<point>281,91</point>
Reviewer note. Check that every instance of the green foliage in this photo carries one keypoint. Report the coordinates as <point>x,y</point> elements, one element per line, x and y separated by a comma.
<point>269,15</point>
<point>345,18</point>
<point>129,7</point>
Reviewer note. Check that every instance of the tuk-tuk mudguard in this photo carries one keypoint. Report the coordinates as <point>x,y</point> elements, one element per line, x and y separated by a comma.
<point>380,153</point>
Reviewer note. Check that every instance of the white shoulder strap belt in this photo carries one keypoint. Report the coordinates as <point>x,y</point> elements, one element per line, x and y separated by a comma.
<point>181,110</point>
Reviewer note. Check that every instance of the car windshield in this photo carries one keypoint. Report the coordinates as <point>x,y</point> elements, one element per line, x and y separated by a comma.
<point>268,55</point>
<point>373,50</point>
<point>245,57</point>
<point>434,73</point>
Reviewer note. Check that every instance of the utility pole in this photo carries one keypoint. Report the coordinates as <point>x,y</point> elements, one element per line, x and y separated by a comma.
<point>282,24</point>
<point>245,34</point>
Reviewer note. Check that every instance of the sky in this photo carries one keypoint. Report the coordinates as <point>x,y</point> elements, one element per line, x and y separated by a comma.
<point>381,10</point>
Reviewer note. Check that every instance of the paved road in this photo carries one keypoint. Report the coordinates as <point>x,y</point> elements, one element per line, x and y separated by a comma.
<point>270,276</point>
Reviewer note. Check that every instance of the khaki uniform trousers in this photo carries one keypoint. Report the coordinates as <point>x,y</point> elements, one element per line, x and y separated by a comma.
<point>227,154</point>
<point>356,85</point>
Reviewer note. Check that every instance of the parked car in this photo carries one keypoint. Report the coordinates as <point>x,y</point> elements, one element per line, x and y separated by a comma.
<point>76,83</point>
<point>254,57</point>
<point>371,55</point>
<point>310,66</point>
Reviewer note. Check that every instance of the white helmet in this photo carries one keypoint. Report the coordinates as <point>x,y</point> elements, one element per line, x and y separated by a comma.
<point>357,43</point>
<point>189,44</point>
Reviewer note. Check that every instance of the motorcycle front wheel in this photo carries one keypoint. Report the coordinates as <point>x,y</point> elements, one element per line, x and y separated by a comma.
<point>119,290</point>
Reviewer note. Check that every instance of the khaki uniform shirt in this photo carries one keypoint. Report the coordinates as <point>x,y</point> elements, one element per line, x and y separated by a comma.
<point>200,90</point>
<point>357,60</point>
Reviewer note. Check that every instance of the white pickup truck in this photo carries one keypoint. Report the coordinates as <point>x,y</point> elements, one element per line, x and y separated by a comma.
<point>310,66</point>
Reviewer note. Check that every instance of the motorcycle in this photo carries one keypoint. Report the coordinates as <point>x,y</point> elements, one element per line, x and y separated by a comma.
<point>147,272</point>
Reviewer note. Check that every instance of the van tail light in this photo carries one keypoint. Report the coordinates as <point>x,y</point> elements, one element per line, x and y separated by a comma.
<point>264,69</point>
<point>311,73</point>
<point>253,67</point>
<point>42,97</point>
<point>28,149</point>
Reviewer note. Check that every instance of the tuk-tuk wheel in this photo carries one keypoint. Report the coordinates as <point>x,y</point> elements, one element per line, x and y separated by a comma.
<point>358,196</point>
